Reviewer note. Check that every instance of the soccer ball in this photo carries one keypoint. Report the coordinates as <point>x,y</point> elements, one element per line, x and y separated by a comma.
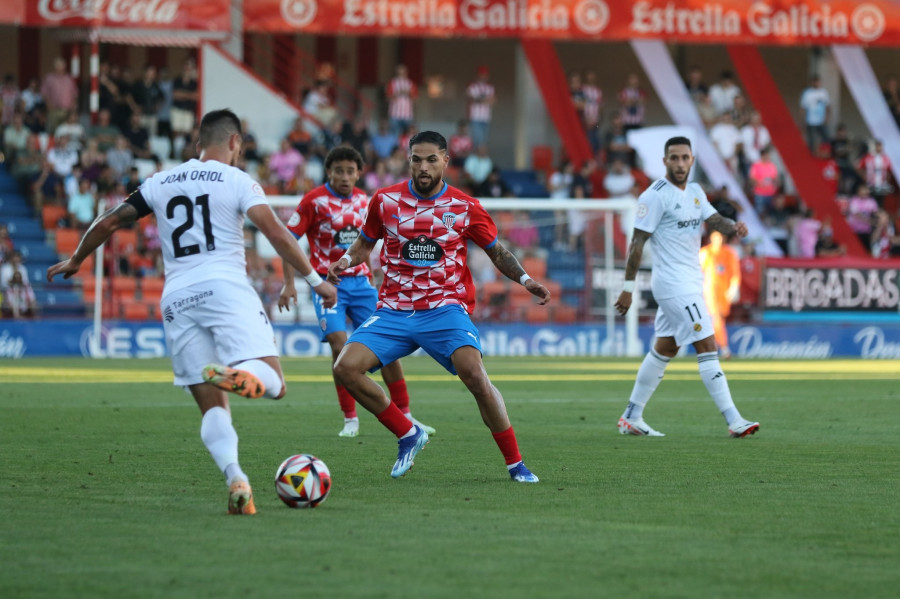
<point>303,481</point>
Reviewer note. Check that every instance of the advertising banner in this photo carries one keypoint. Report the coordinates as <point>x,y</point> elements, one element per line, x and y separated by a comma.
<point>773,22</point>
<point>834,285</point>
<point>197,15</point>
<point>22,339</point>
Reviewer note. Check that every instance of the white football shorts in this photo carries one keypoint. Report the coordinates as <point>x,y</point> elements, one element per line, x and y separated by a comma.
<point>685,318</point>
<point>218,321</point>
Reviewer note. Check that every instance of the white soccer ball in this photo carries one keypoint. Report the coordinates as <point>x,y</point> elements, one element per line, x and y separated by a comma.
<point>303,481</point>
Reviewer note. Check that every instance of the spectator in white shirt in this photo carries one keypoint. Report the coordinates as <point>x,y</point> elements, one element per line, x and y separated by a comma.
<point>816,105</point>
<point>726,138</point>
<point>619,180</point>
<point>723,92</point>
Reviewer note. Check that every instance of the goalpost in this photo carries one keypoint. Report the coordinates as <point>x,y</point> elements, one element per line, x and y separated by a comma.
<point>604,262</point>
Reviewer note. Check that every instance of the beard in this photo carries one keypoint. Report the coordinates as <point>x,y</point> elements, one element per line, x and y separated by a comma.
<point>425,191</point>
<point>675,178</point>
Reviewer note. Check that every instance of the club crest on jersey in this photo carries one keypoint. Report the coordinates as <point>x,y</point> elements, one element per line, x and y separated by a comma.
<point>345,237</point>
<point>449,219</point>
<point>697,327</point>
<point>421,251</point>
<point>323,323</point>
<point>697,202</point>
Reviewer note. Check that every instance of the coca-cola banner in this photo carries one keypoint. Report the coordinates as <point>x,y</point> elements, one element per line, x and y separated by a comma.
<point>202,15</point>
<point>694,21</point>
<point>831,284</point>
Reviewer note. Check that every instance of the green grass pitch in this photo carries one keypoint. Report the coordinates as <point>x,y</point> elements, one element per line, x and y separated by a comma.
<point>106,490</point>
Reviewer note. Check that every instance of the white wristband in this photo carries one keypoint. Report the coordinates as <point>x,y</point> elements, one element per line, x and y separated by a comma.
<point>523,279</point>
<point>313,278</point>
<point>349,259</point>
<point>628,286</point>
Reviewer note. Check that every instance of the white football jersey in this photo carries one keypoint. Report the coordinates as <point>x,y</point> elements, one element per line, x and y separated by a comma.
<point>674,218</point>
<point>200,209</point>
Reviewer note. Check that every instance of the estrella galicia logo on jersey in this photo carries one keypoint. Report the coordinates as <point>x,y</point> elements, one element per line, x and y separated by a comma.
<point>694,222</point>
<point>421,251</point>
<point>169,314</point>
<point>449,219</point>
<point>345,237</point>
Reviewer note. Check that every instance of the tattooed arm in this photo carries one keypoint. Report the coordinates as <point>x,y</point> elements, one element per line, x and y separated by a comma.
<point>510,267</point>
<point>726,226</point>
<point>633,263</point>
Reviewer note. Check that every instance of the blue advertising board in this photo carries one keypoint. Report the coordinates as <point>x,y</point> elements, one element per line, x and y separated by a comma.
<point>807,340</point>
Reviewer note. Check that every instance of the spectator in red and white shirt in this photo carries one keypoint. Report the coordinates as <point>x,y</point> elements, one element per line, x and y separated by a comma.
<point>480,94</point>
<point>632,99</point>
<point>592,108</point>
<point>875,170</point>
<point>401,93</point>
<point>460,145</point>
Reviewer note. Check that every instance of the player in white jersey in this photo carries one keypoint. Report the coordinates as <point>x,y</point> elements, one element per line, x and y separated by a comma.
<point>216,327</point>
<point>671,213</point>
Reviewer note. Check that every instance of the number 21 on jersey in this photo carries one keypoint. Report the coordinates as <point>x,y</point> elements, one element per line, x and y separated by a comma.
<point>188,213</point>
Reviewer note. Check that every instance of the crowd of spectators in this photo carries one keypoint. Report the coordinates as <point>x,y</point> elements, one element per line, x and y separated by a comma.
<point>147,121</point>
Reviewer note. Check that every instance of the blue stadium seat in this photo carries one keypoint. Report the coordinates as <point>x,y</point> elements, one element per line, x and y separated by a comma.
<point>36,251</point>
<point>12,208</point>
<point>24,228</point>
<point>56,297</point>
<point>569,279</point>
<point>561,260</point>
<point>524,184</point>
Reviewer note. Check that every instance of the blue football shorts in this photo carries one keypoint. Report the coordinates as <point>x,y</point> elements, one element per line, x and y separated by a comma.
<point>393,334</point>
<point>356,299</point>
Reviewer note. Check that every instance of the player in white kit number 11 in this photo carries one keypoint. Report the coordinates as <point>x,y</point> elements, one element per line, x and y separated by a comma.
<point>671,213</point>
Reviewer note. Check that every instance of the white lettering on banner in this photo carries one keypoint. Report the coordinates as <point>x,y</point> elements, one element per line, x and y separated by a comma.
<point>867,21</point>
<point>514,14</point>
<point>12,347</point>
<point>797,21</point>
<point>543,342</point>
<point>120,342</point>
<point>747,342</point>
<point>302,343</point>
<point>846,288</point>
<point>711,19</point>
<point>384,13</point>
<point>872,344</point>
<point>116,11</point>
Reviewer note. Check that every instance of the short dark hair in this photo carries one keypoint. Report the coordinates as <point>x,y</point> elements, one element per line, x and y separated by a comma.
<point>428,137</point>
<point>344,153</point>
<point>679,140</point>
<point>218,126</point>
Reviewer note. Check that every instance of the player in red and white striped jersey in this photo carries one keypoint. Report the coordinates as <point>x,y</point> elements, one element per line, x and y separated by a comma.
<point>401,92</point>
<point>330,216</point>
<point>427,296</point>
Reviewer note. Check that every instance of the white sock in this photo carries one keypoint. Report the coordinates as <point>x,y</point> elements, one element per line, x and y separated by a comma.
<point>648,378</point>
<point>221,440</point>
<point>264,373</point>
<point>717,385</point>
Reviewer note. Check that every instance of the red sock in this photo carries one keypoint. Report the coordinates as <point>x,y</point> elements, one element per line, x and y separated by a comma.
<point>508,445</point>
<point>399,394</point>
<point>395,421</point>
<point>348,404</point>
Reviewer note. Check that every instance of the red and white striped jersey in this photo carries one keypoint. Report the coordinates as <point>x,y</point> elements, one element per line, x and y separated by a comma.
<point>632,100</point>
<point>331,223</point>
<point>480,95</point>
<point>877,168</point>
<point>593,100</point>
<point>425,245</point>
<point>401,91</point>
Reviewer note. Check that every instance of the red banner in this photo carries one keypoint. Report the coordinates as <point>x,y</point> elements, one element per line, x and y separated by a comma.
<point>179,15</point>
<point>785,22</point>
